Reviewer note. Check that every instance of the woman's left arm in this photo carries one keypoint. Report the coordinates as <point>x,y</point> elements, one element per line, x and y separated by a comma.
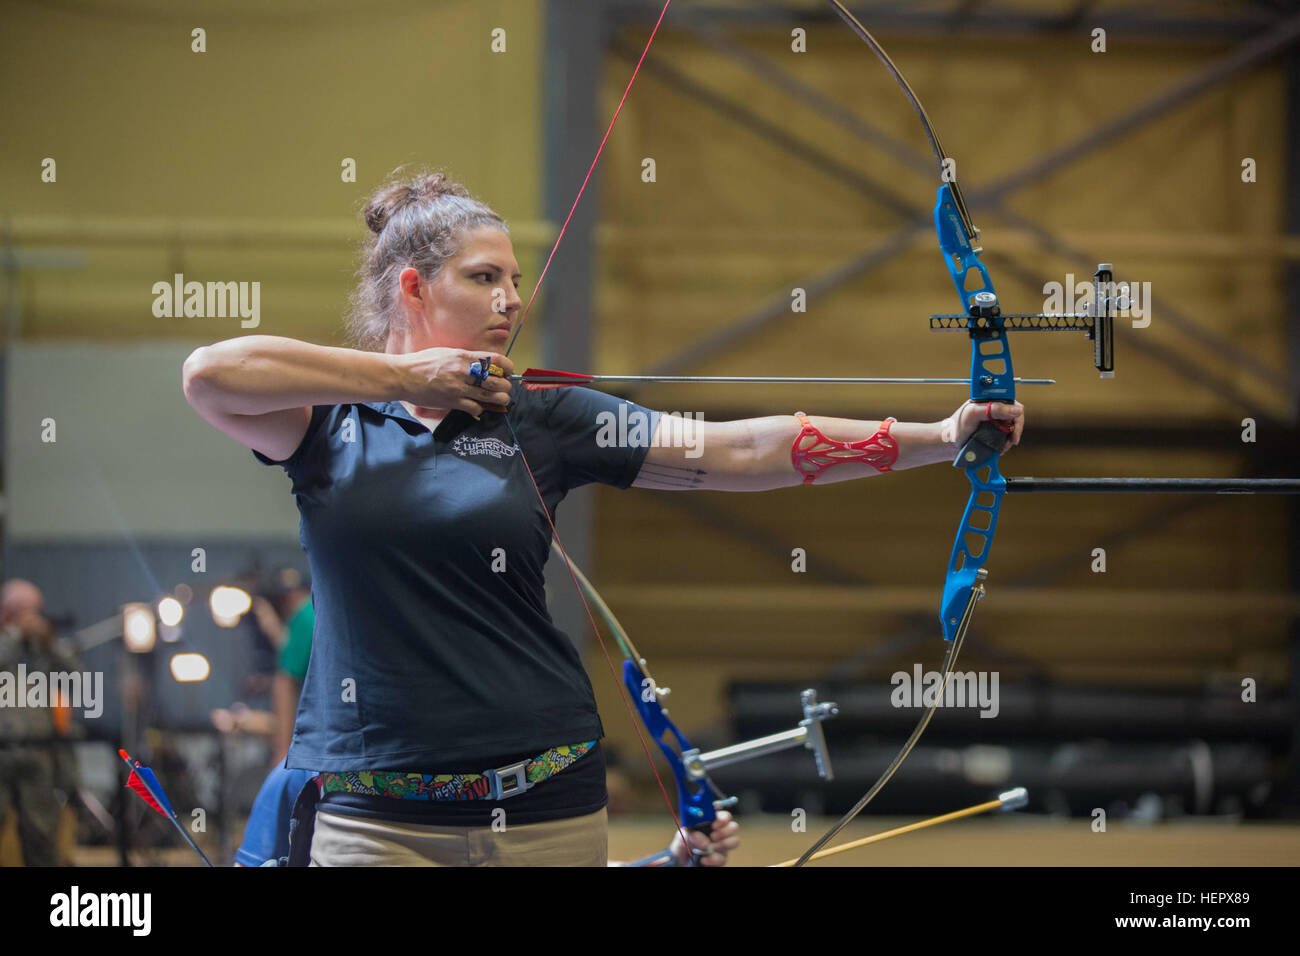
<point>755,454</point>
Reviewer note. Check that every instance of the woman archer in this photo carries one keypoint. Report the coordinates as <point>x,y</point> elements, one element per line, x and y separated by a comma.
<point>441,700</point>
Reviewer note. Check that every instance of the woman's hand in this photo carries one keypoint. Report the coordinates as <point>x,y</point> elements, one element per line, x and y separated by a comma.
<point>959,426</point>
<point>439,378</point>
<point>721,840</point>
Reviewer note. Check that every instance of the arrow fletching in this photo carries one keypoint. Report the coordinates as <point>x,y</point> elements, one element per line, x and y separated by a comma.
<point>143,782</point>
<point>551,378</point>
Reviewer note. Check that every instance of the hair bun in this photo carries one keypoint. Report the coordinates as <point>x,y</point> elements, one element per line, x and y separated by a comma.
<point>402,191</point>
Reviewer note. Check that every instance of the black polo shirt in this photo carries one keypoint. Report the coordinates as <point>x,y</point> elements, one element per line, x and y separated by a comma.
<point>433,649</point>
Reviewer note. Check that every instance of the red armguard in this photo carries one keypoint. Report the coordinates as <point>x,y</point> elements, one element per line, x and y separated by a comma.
<point>812,452</point>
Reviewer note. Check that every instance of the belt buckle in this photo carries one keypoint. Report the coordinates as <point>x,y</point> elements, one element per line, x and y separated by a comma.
<point>508,781</point>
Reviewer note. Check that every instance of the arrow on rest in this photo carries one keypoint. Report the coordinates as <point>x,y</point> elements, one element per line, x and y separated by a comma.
<point>537,378</point>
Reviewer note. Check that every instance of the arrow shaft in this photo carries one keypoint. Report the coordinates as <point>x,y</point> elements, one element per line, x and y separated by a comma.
<point>190,840</point>
<point>750,380</point>
<point>979,808</point>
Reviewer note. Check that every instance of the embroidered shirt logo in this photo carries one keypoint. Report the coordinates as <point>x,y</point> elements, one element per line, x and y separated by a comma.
<point>465,446</point>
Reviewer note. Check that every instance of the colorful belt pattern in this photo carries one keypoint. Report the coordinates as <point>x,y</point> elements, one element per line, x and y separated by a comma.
<point>445,786</point>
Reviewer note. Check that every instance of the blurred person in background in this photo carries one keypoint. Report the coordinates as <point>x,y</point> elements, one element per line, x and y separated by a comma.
<point>283,615</point>
<point>287,611</point>
<point>37,765</point>
<point>283,612</point>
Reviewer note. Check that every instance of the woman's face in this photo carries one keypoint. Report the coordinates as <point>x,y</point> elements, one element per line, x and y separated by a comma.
<point>470,304</point>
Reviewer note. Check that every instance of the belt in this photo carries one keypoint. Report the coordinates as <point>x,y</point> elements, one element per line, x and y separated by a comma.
<point>497,783</point>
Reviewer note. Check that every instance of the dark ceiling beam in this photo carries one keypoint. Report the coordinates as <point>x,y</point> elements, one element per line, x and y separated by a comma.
<point>1156,22</point>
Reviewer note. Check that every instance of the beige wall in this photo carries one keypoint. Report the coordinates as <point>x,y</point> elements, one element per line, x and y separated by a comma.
<point>225,165</point>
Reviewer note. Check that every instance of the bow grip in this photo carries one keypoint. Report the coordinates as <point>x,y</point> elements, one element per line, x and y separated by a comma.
<point>983,445</point>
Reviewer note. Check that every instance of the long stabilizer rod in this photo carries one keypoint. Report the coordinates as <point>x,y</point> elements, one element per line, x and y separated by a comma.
<point>1161,486</point>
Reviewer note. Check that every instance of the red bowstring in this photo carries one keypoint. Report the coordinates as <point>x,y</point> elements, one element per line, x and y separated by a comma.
<point>591,169</point>
<point>604,649</point>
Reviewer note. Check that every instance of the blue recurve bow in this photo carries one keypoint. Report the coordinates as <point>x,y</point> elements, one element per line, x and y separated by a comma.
<point>992,379</point>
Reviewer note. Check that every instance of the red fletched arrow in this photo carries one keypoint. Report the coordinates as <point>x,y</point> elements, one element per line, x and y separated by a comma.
<point>143,782</point>
<point>538,378</point>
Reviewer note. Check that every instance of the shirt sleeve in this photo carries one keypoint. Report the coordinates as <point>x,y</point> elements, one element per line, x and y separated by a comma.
<point>599,437</point>
<point>318,414</point>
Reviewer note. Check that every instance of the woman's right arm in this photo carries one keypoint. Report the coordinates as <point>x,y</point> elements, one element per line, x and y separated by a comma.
<point>259,389</point>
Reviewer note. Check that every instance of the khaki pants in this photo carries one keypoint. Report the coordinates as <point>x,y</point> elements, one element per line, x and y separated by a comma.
<point>341,840</point>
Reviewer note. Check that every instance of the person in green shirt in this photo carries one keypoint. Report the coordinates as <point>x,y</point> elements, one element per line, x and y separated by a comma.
<point>297,648</point>
<point>294,601</point>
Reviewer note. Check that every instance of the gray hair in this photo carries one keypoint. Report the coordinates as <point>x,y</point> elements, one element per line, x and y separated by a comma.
<point>416,220</point>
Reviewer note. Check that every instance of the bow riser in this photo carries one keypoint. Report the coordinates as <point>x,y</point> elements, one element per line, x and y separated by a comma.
<point>992,379</point>
<point>955,240</point>
<point>693,797</point>
<point>974,541</point>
